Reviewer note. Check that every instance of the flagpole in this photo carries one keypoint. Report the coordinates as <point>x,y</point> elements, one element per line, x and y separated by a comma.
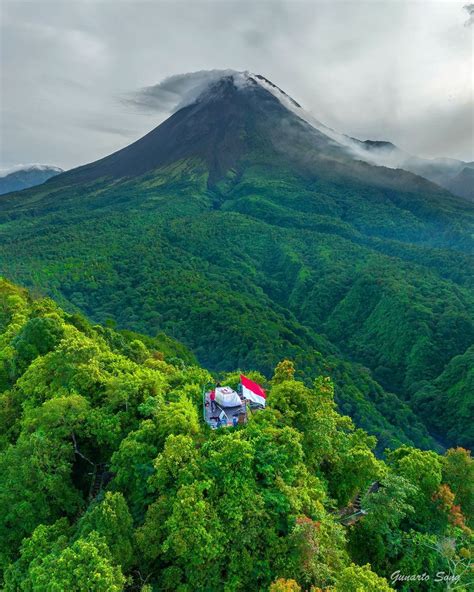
<point>204,390</point>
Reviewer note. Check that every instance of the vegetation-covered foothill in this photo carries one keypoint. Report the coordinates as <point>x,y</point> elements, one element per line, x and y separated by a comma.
<point>110,481</point>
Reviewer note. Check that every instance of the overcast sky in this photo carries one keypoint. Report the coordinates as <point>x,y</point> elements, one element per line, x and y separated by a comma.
<point>379,69</point>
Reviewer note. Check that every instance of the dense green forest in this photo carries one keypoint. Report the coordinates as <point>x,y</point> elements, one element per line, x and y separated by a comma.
<point>337,276</point>
<point>110,480</point>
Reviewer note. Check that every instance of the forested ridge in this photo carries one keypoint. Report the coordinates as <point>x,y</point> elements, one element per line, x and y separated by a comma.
<point>110,480</point>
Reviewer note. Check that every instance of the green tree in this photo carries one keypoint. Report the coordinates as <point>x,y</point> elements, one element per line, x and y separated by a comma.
<point>178,417</point>
<point>282,585</point>
<point>285,370</point>
<point>458,473</point>
<point>111,519</point>
<point>361,579</point>
<point>45,540</point>
<point>85,565</point>
<point>377,536</point>
<point>318,548</point>
<point>37,337</point>
<point>422,468</point>
<point>132,464</point>
<point>35,488</point>
<point>193,537</point>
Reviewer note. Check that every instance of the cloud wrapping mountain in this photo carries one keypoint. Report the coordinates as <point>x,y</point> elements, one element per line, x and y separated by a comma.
<point>24,176</point>
<point>176,92</point>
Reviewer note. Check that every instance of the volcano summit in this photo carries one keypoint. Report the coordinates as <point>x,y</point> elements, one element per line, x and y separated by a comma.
<point>234,115</point>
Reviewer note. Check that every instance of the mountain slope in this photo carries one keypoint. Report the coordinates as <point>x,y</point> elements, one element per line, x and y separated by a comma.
<point>454,175</point>
<point>26,176</point>
<point>463,183</point>
<point>250,235</point>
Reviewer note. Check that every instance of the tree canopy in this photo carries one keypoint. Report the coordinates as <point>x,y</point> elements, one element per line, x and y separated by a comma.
<point>110,480</point>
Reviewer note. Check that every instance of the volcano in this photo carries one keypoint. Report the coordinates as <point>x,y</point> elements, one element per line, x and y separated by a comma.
<point>235,116</point>
<point>242,113</point>
<point>251,232</point>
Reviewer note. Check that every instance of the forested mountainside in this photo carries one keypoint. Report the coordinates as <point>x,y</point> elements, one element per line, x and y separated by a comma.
<point>111,481</point>
<point>250,236</point>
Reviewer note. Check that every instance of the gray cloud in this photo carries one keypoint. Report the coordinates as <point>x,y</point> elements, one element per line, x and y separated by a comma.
<point>70,69</point>
<point>469,8</point>
<point>173,92</point>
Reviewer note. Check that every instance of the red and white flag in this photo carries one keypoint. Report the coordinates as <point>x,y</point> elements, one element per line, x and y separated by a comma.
<point>252,391</point>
